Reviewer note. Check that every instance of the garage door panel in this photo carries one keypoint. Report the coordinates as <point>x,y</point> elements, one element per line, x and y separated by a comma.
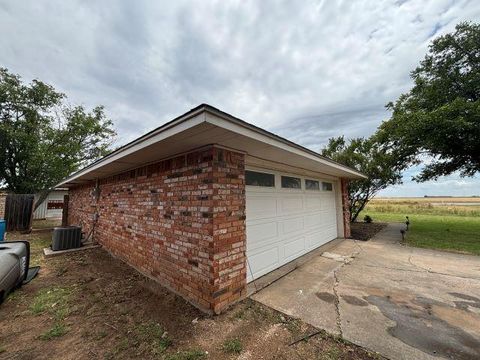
<point>262,233</point>
<point>328,203</point>
<point>330,231</point>
<point>294,248</point>
<point>314,220</point>
<point>291,204</point>
<point>316,239</point>
<point>283,224</point>
<point>264,261</point>
<point>313,202</point>
<point>260,206</point>
<point>328,218</point>
<point>292,225</point>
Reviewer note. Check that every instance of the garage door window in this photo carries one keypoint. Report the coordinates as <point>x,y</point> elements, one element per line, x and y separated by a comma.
<point>326,186</point>
<point>312,185</point>
<point>289,182</point>
<point>254,178</point>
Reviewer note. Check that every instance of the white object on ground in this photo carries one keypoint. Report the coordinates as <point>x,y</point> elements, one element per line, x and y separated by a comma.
<point>337,257</point>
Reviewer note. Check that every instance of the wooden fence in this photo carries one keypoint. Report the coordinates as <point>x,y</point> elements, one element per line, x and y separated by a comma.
<point>18,212</point>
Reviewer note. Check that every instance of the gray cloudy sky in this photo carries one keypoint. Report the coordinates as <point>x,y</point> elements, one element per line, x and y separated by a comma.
<point>306,70</point>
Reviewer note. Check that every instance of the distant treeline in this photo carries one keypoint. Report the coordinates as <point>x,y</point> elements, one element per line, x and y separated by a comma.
<point>448,196</point>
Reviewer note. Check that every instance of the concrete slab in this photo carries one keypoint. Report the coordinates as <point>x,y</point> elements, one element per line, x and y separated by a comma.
<point>48,252</point>
<point>268,279</point>
<point>405,303</point>
<point>306,292</point>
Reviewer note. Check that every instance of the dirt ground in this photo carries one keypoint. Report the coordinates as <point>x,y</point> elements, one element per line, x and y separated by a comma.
<point>89,305</point>
<point>365,231</point>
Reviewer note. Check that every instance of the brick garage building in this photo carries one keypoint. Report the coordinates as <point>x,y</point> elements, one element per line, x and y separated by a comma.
<point>207,202</point>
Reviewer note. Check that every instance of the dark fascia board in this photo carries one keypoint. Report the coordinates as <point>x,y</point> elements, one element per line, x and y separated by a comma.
<point>217,112</point>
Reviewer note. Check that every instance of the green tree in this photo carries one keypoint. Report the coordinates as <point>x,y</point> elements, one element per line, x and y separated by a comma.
<point>42,138</point>
<point>366,156</point>
<point>440,116</point>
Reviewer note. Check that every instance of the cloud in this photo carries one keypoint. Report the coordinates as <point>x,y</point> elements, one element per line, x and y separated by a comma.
<point>308,70</point>
<point>314,130</point>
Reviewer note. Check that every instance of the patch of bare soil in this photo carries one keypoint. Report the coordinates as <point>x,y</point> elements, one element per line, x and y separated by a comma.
<point>89,305</point>
<point>365,231</point>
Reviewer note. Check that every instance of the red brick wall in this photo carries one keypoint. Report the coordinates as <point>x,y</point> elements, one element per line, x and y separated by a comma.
<point>229,229</point>
<point>346,208</point>
<point>81,207</point>
<point>180,221</point>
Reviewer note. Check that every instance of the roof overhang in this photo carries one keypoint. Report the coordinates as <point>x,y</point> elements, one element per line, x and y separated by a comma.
<point>202,126</point>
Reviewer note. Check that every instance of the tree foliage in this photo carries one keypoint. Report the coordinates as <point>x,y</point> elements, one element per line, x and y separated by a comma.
<point>440,115</point>
<point>42,138</point>
<point>366,156</point>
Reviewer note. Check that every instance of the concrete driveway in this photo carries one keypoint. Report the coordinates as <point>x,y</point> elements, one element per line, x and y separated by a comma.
<point>405,303</point>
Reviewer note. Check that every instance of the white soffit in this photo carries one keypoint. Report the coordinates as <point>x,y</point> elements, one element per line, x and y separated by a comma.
<point>203,126</point>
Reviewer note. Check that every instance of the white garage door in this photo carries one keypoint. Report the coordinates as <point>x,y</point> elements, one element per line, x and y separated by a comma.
<point>287,216</point>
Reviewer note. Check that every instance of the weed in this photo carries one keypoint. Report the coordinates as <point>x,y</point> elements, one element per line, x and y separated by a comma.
<point>154,336</point>
<point>53,300</point>
<point>2,349</point>
<point>294,326</point>
<point>232,346</point>
<point>240,314</point>
<point>57,330</point>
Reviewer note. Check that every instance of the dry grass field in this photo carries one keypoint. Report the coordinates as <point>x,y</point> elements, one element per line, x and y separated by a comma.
<point>432,200</point>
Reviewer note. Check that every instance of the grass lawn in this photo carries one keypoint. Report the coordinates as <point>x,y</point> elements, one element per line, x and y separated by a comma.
<point>41,241</point>
<point>452,228</point>
<point>46,223</point>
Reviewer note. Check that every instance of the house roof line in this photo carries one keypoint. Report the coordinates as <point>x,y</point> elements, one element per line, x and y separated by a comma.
<point>219,113</point>
<point>246,124</point>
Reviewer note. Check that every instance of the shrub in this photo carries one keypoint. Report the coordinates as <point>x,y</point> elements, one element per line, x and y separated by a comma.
<point>367,219</point>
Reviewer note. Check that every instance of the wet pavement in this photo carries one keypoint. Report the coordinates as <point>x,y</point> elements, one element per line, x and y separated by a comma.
<point>403,302</point>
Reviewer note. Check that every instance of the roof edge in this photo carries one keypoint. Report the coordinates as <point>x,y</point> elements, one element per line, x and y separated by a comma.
<point>178,120</point>
<point>221,114</point>
<point>226,116</point>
